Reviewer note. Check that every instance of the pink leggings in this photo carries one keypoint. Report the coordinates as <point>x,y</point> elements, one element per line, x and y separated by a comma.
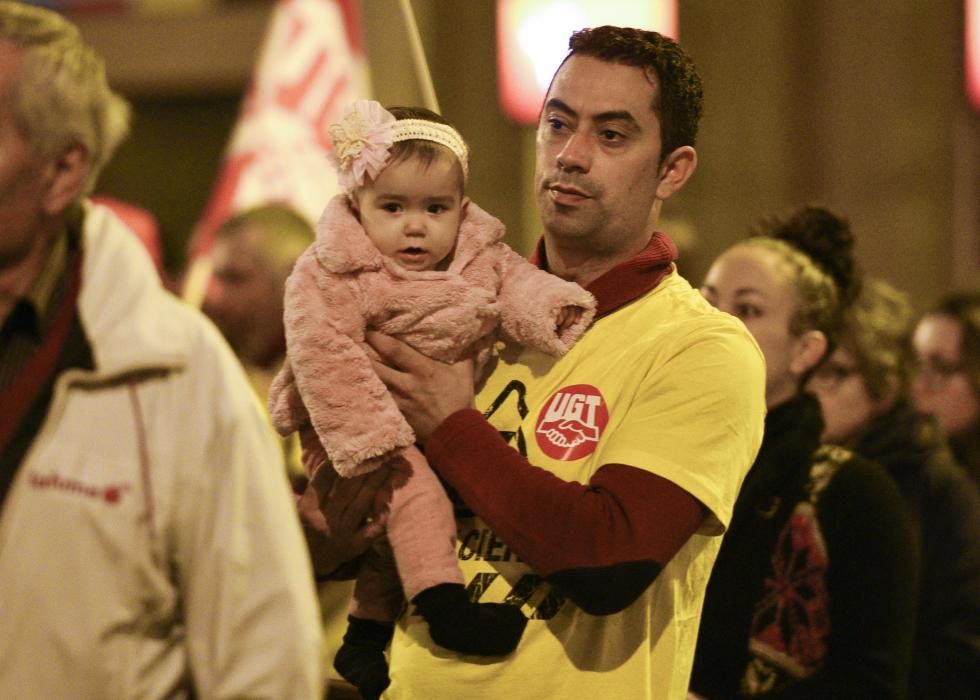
<point>418,551</point>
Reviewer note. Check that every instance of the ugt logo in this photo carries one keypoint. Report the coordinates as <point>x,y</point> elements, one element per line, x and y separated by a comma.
<point>571,422</point>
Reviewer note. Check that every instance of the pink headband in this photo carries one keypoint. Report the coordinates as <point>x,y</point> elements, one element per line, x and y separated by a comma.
<point>363,138</point>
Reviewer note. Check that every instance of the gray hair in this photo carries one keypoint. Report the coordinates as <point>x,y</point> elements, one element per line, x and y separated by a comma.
<point>62,97</point>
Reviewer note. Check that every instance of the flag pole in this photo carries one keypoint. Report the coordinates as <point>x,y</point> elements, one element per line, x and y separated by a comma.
<point>418,56</point>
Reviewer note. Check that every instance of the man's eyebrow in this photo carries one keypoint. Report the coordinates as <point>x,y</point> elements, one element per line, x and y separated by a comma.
<point>609,116</point>
<point>617,115</point>
<point>555,103</point>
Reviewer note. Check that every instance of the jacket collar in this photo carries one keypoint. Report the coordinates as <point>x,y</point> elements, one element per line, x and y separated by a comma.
<point>132,322</point>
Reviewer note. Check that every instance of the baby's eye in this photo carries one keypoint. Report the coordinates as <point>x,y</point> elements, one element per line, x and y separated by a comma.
<point>391,207</point>
<point>437,208</point>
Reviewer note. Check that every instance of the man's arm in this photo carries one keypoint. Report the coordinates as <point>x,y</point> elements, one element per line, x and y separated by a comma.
<point>244,576</point>
<point>601,543</point>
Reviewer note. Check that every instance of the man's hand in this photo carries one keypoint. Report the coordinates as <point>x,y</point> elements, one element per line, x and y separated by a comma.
<point>427,391</point>
<point>343,517</point>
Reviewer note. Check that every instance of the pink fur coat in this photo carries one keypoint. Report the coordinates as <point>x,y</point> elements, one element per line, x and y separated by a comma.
<point>342,286</point>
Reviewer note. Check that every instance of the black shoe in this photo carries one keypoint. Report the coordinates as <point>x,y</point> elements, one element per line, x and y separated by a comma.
<point>457,623</point>
<point>361,658</point>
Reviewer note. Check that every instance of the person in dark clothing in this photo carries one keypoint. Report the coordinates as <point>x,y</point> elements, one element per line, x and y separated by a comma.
<point>947,378</point>
<point>812,595</point>
<point>864,392</point>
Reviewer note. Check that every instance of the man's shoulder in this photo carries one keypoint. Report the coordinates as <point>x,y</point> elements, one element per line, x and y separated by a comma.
<point>672,300</point>
<point>202,337</point>
<point>132,320</point>
<point>206,378</point>
<point>675,312</point>
<point>205,348</point>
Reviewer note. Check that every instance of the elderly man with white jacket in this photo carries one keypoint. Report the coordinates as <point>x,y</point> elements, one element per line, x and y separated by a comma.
<point>149,545</point>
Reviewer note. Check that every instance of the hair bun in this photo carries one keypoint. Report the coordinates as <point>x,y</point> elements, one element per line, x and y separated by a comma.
<point>825,238</point>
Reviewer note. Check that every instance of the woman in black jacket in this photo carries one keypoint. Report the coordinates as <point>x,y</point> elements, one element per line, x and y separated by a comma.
<point>812,595</point>
<point>864,392</point>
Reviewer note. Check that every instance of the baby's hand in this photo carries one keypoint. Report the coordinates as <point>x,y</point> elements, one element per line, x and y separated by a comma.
<point>567,316</point>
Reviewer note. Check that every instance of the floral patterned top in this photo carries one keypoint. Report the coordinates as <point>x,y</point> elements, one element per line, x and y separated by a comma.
<point>813,591</point>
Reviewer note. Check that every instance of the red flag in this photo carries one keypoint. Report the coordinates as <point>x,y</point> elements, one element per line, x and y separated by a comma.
<point>311,67</point>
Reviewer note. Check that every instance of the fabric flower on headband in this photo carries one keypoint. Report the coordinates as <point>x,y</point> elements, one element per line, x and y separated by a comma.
<point>361,141</point>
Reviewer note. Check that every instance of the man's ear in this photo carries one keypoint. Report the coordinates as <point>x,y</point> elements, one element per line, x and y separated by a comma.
<point>807,352</point>
<point>675,170</point>
<point>67,174</point>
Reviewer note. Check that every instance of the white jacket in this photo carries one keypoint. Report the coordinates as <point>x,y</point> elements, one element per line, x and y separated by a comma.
<point>149,542</point>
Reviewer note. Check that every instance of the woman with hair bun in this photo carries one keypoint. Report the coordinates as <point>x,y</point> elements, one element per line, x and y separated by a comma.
<point>812,594</point>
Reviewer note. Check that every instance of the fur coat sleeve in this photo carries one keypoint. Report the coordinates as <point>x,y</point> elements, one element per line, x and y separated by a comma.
<point>530,301</point>
<point>328,380</point>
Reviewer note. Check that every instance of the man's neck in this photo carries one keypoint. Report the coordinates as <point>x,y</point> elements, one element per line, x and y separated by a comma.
<point>584,265</point>
<point>17,275</point>
<point>584,260</point>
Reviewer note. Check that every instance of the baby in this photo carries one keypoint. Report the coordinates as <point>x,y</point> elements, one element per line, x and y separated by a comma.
<point>406,253</point>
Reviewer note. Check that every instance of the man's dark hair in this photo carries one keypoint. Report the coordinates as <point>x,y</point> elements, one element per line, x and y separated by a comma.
<point>679,95</point>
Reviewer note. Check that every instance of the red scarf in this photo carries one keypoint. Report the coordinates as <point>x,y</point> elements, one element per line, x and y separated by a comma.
<point>629,280</point>
<point>17,398</point>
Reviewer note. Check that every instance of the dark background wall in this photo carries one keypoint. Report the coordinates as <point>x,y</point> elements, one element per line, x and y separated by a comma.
<point>855,105</point>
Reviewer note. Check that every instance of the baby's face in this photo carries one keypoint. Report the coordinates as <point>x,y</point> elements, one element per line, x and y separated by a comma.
<point>411,212</point>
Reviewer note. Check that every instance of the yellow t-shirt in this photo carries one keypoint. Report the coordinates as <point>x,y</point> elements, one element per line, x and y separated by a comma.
<point>667,384</point>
